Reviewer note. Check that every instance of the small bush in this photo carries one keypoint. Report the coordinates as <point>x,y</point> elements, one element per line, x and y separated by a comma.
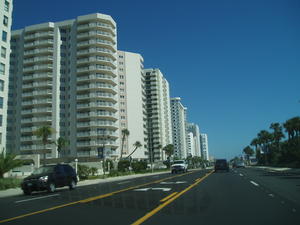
<point>123,165</point>
<point>114,173</point>
<point>83,171</point>
<point>6,183</point>
<point>139,166</point>
<point>93,171</point>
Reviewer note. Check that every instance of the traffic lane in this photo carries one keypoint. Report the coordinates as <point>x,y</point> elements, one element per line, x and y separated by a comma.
<point>22,204</point>
<point>225,198</point>
<point>283,184</point>
<point>131,204</point>
<point>58,200</point>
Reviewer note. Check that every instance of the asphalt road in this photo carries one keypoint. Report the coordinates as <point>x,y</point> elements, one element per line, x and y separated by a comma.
<point>242,196</point>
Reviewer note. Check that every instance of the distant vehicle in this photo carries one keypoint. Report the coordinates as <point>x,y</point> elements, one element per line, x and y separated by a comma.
<point>49,178</point>
<point>179,166</point>
<point>253,161</point>
<point>240,165</point>
<point>221,164</point>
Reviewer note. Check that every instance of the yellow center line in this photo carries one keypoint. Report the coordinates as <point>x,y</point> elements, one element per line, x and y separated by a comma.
<point>154,211</point>
<point>91,198</point>
<point>169,196</point>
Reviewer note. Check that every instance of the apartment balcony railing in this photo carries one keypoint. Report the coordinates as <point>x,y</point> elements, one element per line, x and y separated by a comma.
<point>95,114</point>
<point>36,76</point>
<point>39,42</point>
<point>36,110</point>
<point>97,123</point>
<point>96,24</point>
<point>95,86</point>
<point>36,93</point>
<point>97,134</point>
<point>38,51</point>
<point>37,102</point>
<point>38,59</point>
<point>39,34</point>
<point>95,95</point>
<point>96,76</point>
<point>38,67</point>
<point>36,119</point>
<point>36,84</point>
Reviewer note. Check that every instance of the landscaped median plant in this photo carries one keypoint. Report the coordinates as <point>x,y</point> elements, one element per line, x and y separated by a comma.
<point>6,183</point>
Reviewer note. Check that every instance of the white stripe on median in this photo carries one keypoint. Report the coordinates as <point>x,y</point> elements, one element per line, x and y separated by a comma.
<point>252,182</point>
<point>31,199</point>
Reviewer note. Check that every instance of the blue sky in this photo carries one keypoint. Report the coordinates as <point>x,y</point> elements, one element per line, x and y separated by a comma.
<point>234,63</point>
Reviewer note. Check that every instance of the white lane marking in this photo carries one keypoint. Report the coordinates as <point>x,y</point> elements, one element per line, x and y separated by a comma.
<point>271,195</point>
<point>294,210</point>
<point>124,182</point>
<point>241,175</point>
<point>32,199</point>
<point>154,189</point>
<point>177,182</point>
<point>252,182</point>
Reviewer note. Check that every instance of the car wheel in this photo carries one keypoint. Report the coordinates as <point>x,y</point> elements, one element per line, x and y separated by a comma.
<point>51,187</point>
<point>27,192</point>
<point>72,185</point>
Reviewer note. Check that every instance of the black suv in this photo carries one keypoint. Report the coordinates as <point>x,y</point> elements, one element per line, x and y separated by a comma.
<point>221,164</point>
<point>49,178</point>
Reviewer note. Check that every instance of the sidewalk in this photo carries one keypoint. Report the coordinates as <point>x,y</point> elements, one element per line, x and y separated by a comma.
<point>18,191</point>
<point>278,169</point>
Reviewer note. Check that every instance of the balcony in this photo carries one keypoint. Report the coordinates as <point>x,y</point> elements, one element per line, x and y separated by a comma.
<point>89,134</point>
<point>97,95</point>
<point>38,51</point>
<point>37,102</point>
<point>38,43</point>
<point>102,51</point>
<point>38,59</point>
<point>111,124</point>
<point>98,33</point>
<point>95,25</point>
<point>37,76</point>
<point>38,35</point>
<point>96,105</point>
<point>37,84</point>
<point>96,67</point>
<point>98,42</point>
<point>102,59</point>
<point>97,76</point>
<point>94,143</point>
<point>107,87</point>
<point>35,147</point>
<point>36,111</point>
<point>37,67</point>
<point>96,114</point>
<point>36,93</point>
<point>36,119</point>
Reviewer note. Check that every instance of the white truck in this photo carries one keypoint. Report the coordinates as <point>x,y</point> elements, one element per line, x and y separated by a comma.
<point>179,166</point>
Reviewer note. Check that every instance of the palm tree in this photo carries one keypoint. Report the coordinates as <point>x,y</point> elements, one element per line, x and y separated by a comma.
<point>255,143</point>
<point>125,133</point>
<point>169,150</point>
<point>44,132</point>
<point>248,151</point>
<point>61,143</point>
<point>137,145</point>
<point>289,128</point>
<point>8,162</point>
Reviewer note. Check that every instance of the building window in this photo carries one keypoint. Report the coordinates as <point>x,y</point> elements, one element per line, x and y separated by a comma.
<point>1,102</point>
<point>5,21</point>
<point>2,68</point>
<point>3,52</point>
<point>4,36</point>
<point>0,120</point>
<point>1,85</point>
<point>123,117</point>
<point>6,6</point>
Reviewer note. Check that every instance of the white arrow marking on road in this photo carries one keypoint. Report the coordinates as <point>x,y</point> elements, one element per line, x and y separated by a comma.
<point>252,182</point>
<point>154,189</point>
<point>31,199</point>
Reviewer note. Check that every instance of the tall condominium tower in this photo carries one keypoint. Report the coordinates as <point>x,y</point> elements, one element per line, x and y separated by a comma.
<point>204,146</point>
<point>194,129</point>
<point>132,99</point>
<point>5,29</point>
<point>179,128</point>
<point>64,75</point>
<point>158,113</point>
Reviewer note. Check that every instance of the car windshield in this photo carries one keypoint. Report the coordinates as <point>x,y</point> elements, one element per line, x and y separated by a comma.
<point>44,169</point>
<point>178,162</point>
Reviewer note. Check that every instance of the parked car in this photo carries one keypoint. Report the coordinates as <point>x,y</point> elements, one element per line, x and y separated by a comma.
<point>49,178</point>
<point>221,164</point>
<point>179,166</point>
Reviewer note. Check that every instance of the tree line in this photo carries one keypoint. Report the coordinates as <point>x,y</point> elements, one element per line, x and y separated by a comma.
<point>279,146</point>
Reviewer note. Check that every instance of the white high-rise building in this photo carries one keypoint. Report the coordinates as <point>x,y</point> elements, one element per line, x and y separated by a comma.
<point>178,114</point>
<point>64,75</point>
<point>190,144</point>
<point>204,146</point>
<point>132,99</point>
<point>194,128</point>
<point>158,113</point>
<point>6,7</point>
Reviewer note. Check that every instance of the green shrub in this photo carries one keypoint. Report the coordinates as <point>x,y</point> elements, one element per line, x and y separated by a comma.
<point>109,162</point>
<point>123,165</point>
<point>114,173</point>
<point>83,171</point>
<point>139,166</point>
<point>93,171</point>
<point>6,183</point>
